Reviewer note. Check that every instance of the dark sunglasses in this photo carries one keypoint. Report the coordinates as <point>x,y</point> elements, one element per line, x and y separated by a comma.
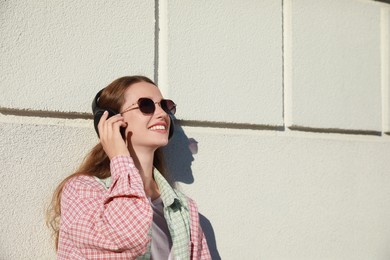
<point>148,106</point>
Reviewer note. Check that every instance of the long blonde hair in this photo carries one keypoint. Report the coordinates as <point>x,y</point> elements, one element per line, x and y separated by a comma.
<point>96,163</point>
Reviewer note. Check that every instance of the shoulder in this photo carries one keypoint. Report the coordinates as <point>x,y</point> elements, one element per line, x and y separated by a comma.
<point>192,203</point>
<point>193,208</point>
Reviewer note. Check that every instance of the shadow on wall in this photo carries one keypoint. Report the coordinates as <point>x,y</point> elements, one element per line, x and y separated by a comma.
<point>179,153</point>
<point>179,156</point>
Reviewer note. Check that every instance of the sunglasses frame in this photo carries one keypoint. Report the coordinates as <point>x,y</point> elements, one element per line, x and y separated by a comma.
<point>169,112</point>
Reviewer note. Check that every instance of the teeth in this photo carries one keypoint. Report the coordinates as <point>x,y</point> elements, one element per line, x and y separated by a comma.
<point>157,127</point>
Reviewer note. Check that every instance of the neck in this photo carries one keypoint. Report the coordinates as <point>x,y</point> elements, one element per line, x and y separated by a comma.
<point>143,159</point>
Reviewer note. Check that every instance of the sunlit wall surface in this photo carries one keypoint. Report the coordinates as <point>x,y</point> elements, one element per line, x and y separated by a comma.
<point>283,123</point>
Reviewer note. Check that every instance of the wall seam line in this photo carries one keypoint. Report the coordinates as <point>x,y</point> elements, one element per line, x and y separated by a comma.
<point>191,123</point>
<point>287,63</point>
<point>162,47</point>
<point>283,86</point>
<point>385,67</point>
<point>156,39</point>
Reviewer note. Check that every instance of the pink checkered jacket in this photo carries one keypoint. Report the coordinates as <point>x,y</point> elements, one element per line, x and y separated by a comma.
<point>97,223</point>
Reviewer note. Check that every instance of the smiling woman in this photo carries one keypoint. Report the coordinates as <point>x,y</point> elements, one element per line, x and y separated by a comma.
<point>118,204</point>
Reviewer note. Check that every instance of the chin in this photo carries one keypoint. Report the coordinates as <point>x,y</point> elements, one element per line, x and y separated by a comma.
<point>150,139</point>
<point>159,142</point>
<point>163,142</point>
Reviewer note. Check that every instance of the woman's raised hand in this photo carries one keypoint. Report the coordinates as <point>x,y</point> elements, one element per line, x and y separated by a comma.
<point>110,136</point>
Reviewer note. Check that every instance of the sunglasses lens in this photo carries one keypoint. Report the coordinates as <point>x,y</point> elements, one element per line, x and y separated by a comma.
<point>146,105</point>
<point>169,106</point>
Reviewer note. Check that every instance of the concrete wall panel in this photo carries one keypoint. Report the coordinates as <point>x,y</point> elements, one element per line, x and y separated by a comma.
<point>34,158</point>
<point>55,55</point>
<point>336,64</point>
<point>225,60</point>
<point>293,197</point>
<point>326,200</point>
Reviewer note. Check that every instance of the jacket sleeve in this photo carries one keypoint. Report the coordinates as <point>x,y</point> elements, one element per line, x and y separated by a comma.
<point>205,252</point>
<point>113,220</point>
<point>199,247</point>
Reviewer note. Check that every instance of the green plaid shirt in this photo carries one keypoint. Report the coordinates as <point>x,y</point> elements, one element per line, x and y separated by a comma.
<point>177,215</point>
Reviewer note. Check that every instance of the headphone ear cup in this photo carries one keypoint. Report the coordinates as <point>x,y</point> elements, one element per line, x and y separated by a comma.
<point>171,127</point>
<point>98,113</point>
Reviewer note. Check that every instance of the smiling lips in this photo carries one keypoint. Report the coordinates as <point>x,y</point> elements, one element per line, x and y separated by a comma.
<point>157,127</point>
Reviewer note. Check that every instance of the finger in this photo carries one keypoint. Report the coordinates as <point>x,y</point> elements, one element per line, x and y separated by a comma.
<point>110,128</point>
<point>116,126</point>
<point>115,120</point>
<point>102,121</point>
<point>124,124</point>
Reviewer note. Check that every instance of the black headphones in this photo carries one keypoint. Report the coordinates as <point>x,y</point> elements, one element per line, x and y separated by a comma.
<point>98,113</point>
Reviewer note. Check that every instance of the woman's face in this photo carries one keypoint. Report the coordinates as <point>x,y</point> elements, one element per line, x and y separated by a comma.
<point>146,130</point>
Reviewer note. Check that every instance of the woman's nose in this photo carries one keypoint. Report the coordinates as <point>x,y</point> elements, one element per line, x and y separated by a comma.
<point>159,111</point>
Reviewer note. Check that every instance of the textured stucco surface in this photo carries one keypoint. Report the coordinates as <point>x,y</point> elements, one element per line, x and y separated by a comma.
<point>280,194</point>
<point>293,197</point>
<point>224,60</point>
<point>34,158</point>
<point>336,64</point>
<point>328,199</point>
<point>56,53</point>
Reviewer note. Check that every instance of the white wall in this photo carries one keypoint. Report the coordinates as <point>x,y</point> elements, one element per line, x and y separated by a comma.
<point>288,102</point>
